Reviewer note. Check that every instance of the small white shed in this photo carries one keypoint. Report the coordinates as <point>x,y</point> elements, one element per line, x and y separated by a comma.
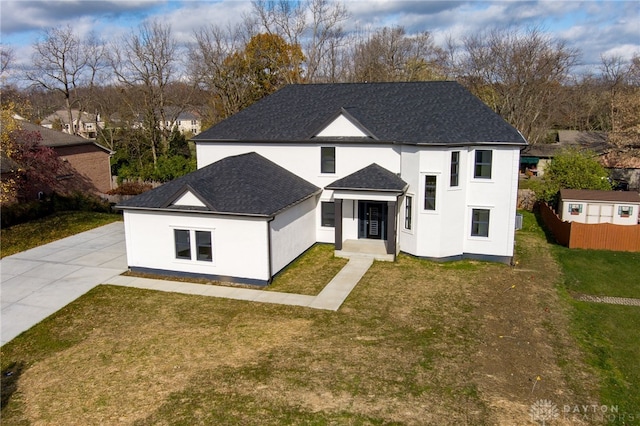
<point>591,206</point>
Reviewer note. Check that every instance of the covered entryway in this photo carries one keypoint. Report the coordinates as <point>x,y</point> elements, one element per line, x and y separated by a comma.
<point>366,209</point>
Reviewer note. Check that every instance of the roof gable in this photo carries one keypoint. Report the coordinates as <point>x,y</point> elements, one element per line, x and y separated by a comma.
<point>343,126</point>
<point>246,184</point>
<point>371,178</point>
<point>436,112</point>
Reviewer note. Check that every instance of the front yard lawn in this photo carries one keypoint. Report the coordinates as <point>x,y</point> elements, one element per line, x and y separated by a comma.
<point>28,235</point>
<point>416,342</point>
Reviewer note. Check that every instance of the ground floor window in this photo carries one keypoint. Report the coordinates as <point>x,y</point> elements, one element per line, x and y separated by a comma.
<point>203,247</point>
<point>575,209</point>
<point>625,211</point>
<point>408,206</point>
<point>183,243</point>
<point>480,223</point>
<point>430,192</point>
<point>328,214</point>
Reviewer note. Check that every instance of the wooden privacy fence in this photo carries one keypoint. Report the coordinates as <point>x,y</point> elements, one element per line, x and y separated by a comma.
<point>597,236</point>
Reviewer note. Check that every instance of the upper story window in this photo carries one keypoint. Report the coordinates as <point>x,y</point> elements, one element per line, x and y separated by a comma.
<point>455,168</point>
<point>430,192</point>
<point>327,159</point>
<point>482,167</point>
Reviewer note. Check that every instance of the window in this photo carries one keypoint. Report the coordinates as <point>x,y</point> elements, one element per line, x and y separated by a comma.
<point>183,244</point>
<point>482,169</point>
<point>327,159</point>
<point>455,168</point>
<point>328,214</point>
<point>203,246</point>
<point>408,206</point>
<point>625,211</point>
<point>480,223</point>
<point>430,193</point>
<point>575,209</point>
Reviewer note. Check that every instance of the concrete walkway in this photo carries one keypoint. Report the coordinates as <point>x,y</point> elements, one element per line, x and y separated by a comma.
<point>38,282</point>
<point>330,298</point>
<point>608,299</point>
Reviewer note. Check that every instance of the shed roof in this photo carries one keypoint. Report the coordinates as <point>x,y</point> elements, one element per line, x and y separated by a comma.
<point>246,184</point>
<point>595,195</point>
<point>436,112</point>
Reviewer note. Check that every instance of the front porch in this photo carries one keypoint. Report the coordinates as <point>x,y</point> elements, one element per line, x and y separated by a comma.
<point>375,249</point>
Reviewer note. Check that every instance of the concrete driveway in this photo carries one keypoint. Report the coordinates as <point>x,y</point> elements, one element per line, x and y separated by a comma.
<point>38,282</point>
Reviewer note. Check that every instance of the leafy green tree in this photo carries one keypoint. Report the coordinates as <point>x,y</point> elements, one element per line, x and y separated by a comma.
<point>572,169</point>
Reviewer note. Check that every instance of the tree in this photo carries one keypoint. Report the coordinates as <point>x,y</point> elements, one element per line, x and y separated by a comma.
<point>63,62</point>
<point>145,63</point>
<point>390,55</point>
<point>518,74</point>
<point>623,82</point>
<point>572,169</point>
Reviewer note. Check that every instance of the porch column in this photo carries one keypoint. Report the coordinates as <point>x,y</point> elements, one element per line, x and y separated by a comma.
<point>338,223</point>
<point>391,227</point>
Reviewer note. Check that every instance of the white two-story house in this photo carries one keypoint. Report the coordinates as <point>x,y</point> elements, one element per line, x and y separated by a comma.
<point>425,168</point>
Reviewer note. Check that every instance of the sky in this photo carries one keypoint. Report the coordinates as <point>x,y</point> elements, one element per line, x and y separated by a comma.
<point>594,27</point>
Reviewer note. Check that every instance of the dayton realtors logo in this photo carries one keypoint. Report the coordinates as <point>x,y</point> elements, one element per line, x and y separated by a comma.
<point>543,411</point>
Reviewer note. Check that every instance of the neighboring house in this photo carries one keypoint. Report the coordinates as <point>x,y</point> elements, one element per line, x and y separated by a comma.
<point>89,160</point>
<point>85,125</point>
<point>591,206</point>
<point>185,121</point>
<point>624,167</point>
<point>425,168</point>
<point>534,158</point>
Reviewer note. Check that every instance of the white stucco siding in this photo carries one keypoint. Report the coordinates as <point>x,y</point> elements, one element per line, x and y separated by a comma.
<point>341,127</point>
<point>304,159</point>
<point>292,232</point>
<point>498,195</point>
<point>239,244</point>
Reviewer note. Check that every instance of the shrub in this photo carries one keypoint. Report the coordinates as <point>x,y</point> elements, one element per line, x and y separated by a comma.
<point>131,188</point>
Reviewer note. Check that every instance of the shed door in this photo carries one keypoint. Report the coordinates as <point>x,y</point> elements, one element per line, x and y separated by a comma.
<point>593,213</point>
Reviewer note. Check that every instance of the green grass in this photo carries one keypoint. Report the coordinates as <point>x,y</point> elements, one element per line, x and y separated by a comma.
<point>28,235</point>
<point>309,273</point>
<point>600,272</point>
<point>607,333</point>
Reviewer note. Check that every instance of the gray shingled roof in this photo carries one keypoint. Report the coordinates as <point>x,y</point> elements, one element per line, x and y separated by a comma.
<point>246,184</point>
<point>55,138</point>
<point>371,178</point>
<point>436,112</point>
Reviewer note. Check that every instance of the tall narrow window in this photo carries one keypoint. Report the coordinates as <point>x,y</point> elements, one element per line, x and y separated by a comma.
<point>480,223</point>
<point>430,192</point>
<point>455,168</point>
<point>328,159</point>
<point>482,169</point>
<point>183,244</point>
<point>408,206</point>
<point>328,214</point>
<point>203,246</point>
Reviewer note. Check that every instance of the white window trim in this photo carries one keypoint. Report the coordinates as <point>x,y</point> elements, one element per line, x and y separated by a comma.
<point>470,219</point>
<point>335,161</point>
<point>421,209</point>
<point>475,179</point>
<point>413,213</point>
<point>194,248</point>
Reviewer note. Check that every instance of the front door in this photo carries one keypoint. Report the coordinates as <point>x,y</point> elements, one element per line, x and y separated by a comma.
<point>372,220</point>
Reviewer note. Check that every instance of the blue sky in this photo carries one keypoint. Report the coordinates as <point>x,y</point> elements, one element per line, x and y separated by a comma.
<point>594,27</point>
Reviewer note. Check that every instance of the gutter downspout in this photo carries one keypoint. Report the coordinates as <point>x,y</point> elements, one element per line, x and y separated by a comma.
<point>269,251</point>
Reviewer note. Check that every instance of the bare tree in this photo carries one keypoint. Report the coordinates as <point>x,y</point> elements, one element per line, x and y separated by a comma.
<point>145,63</point>
<point>62,62</point>
<point>7,56</point>
<point>390,55</point>
<point>325,40</point>
<point>622,80</point>
<point>518,74</point>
